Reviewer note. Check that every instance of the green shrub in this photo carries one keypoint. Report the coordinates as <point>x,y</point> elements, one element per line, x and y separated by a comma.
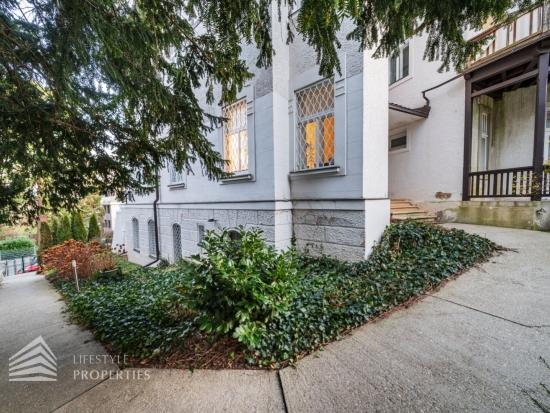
<point>79,230</point>
<point>64,232</point>
<point>16,244</point>
<point>240,285</point>
<point>279,305</point>
<point>138,314</point>
<point>334,296</point>
<point>45,237</point>
<point>93,228</point>
<point>55,225</point>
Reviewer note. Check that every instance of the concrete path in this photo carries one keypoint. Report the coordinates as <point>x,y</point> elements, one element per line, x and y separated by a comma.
<point>472,347</point>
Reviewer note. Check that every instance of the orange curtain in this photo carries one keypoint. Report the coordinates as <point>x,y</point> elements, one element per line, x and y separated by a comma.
<point>328,147</point>
<point>311,149</point>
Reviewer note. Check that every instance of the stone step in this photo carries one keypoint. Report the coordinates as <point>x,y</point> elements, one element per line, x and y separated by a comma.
<point>425,218</point>
<point>412,212</point>
<point>405,209</point>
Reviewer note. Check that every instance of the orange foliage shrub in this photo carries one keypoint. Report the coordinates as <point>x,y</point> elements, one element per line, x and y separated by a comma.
<point>59,258</point>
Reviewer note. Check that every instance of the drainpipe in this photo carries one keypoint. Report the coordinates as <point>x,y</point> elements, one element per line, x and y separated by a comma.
<point>155,215</point>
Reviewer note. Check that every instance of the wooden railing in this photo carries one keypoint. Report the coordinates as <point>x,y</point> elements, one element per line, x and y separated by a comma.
<point>500,183</point>
<point>525,26</point>
<point>545,184</point>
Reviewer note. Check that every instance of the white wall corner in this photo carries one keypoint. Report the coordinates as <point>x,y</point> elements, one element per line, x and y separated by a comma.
<point>377,217</point>
<point>375,127</point>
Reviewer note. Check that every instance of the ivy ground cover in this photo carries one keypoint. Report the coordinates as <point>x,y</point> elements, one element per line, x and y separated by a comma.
<point>238,309</point>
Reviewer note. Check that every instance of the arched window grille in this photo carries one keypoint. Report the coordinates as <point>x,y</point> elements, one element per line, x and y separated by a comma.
<point>135,232</point>
<point>176,236</point>
<point>234,235</point>
<point>151,235</point>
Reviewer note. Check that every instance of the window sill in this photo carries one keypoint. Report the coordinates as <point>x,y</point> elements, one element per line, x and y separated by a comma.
<point>400,81</point>
<point>396,151</point>
<point>176,186</point>
<point>135,250</point>
<point>236,179</point>
<point>314,173</point>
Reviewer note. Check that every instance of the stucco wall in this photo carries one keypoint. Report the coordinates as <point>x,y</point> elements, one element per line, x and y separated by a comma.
<point>435,158</point>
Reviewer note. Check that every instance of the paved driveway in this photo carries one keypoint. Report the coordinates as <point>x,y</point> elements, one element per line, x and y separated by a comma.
<point>472,347</point>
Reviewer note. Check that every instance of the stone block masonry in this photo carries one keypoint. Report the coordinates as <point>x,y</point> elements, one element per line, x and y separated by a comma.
<point>334,232</point>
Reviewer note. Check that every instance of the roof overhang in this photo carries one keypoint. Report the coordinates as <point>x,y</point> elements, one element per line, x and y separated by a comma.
<point>400,115</point>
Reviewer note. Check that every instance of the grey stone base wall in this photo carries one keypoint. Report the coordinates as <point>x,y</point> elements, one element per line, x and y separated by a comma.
<point>337,233</point>
<point>275,224</point>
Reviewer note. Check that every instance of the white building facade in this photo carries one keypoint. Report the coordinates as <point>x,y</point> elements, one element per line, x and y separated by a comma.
<point>478,156</point>
<point>308,157</point>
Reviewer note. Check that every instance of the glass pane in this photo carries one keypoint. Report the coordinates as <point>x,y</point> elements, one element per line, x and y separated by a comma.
<point>236,137</point>
<point>398,143</point>
<point>393,70</point>
<point>405,61</point>
<point>483,154</point>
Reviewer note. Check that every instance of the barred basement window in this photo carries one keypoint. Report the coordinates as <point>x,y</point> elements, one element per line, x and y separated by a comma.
<point>135,232</point>
<point>315,126</point>
<point>234,235</point>
<point>235,137</point>
<point>152,243</point>
<point>176,238</point>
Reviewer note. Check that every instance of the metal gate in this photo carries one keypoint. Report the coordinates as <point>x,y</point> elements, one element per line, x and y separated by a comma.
<point>18,261</point>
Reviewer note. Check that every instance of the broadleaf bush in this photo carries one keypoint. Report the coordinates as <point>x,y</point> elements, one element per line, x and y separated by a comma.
<point>239,284</point>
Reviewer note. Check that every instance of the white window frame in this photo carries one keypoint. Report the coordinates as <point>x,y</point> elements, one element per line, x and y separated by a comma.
<point>247,94</point>
<point>403,79</point>
<point>135,234</point>
<point>173,176</point>
<point>308,78</point>
<point>484,136</point>
<point>396,135</point>
<point>241,105</point>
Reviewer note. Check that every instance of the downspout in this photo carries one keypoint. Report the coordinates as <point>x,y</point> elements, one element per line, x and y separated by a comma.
<point>155,202</point>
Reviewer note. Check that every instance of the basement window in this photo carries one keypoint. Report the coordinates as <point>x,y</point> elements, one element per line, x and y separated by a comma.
<point>399,143</point>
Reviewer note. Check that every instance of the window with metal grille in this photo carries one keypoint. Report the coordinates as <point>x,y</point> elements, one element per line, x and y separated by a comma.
<point>176,177</point>
<point>235,137</point>
<point>201,233</point>
<point>135,231</point>
<point>151,234</point>
<point>315,126</point>
<point>176,236</point>
<point>234,235</point>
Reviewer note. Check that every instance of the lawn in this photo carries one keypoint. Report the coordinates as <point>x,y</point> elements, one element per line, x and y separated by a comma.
<point>243,305</point>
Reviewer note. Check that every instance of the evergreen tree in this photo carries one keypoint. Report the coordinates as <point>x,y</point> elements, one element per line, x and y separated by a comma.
<point>91,94</point>
<point>64,233</point>
<point>55,226</point>
<point>79,230</point>
<point>93,228</point>
<point>45,237</point>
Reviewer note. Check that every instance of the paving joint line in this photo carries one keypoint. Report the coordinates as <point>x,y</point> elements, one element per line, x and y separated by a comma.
<point>282,390</point>
<point>78,395</point>
<point>486,313</point>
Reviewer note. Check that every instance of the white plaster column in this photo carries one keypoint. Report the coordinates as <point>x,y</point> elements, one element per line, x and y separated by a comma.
<point>375,148</point>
